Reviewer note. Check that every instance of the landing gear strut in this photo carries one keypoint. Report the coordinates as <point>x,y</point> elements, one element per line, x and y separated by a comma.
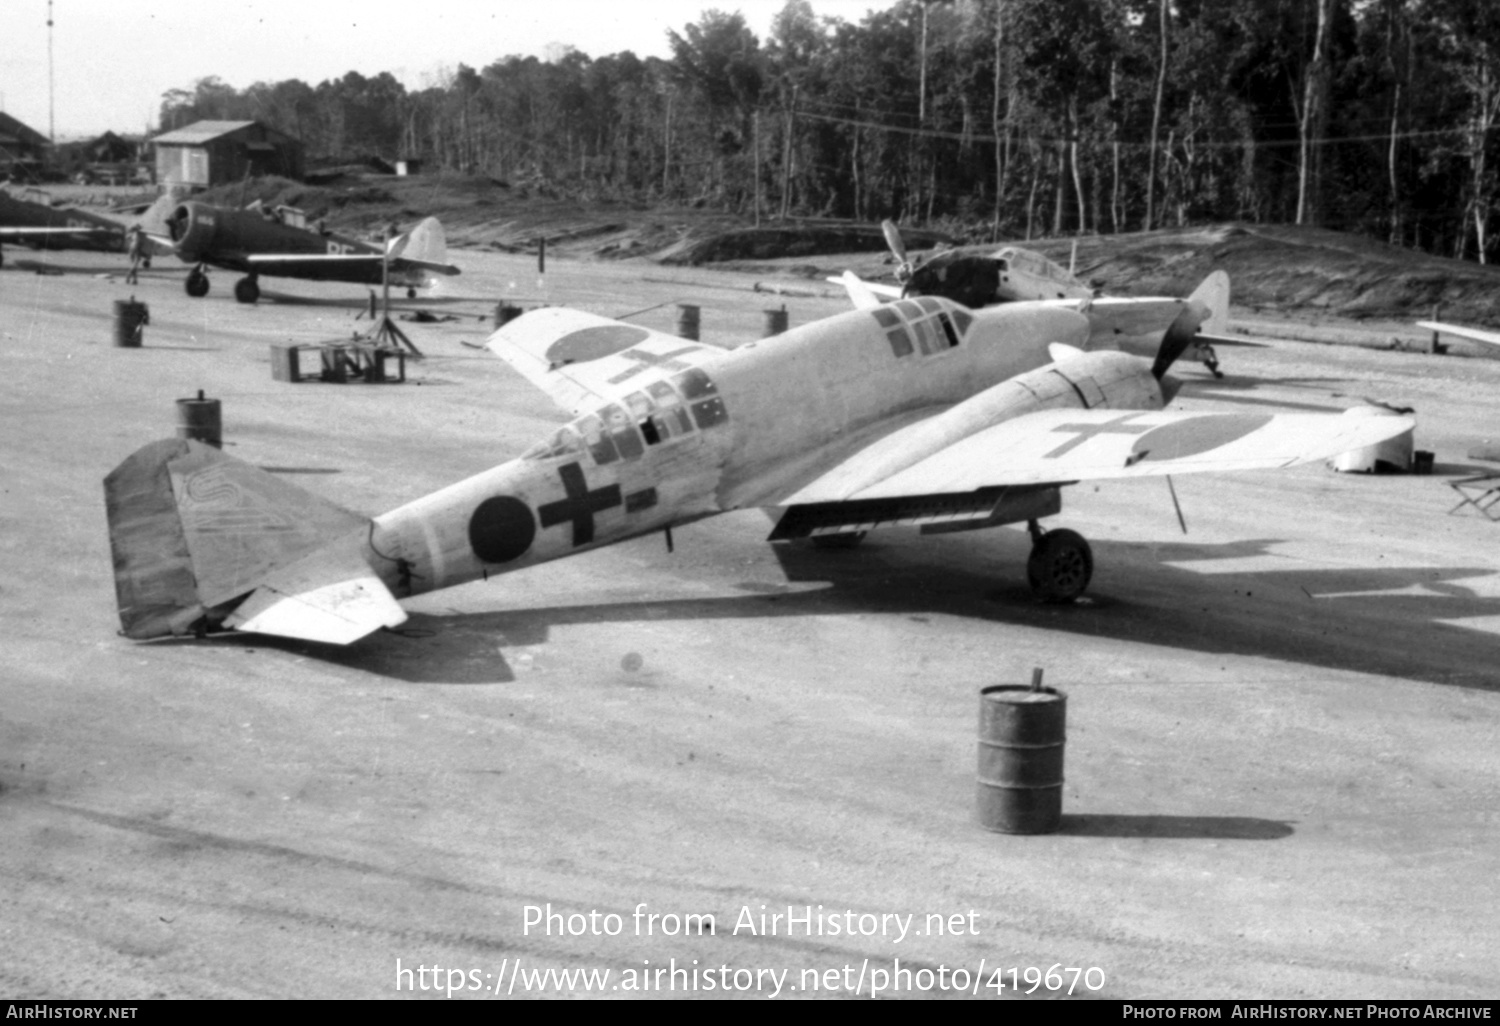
<point>247,289</point>
<point>197,283</point>
<point>1060,565</point>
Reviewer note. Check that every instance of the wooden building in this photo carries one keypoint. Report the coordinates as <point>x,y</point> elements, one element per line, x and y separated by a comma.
<point>209,153</point>
<point>23,150</point>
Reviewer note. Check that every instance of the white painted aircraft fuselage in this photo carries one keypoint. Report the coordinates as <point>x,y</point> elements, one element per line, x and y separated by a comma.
<point>737,427</point>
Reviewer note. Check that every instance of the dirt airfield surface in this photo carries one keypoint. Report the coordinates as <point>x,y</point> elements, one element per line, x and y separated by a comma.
<point>1281,759</point>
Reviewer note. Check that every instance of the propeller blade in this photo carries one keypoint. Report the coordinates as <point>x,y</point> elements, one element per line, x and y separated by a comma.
<point>897,248</point>
<point>1176,339</point>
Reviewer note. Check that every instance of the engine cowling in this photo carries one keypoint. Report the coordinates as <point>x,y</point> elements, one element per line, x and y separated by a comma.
<point>192,227</point>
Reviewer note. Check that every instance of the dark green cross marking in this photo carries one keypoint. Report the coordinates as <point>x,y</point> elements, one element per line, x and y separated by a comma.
<point>1087,431</point>
<point>652,360</point>
<point>580,505</point>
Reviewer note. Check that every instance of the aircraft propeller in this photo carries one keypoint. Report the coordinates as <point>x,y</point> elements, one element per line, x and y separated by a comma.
<point>904,266</point>
<point>1180,335</point>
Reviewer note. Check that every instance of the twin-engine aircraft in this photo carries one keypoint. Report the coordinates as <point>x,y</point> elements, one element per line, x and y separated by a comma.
<point>32,219</point>
<point>1015,274</point>
<point>276,242</point>
<point>921,412</point>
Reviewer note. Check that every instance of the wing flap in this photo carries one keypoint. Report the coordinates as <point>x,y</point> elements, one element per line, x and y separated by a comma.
<point>1058,446</point>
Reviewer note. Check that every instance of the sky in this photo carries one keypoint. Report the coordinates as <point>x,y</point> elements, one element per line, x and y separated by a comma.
<point>113,59</point>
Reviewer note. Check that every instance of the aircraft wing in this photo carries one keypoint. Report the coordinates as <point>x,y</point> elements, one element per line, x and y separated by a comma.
<point>1489,338</point>
<point>583,360</point>
<point>1052,447</point>
<point>865,294</point>
<point>21,233</point>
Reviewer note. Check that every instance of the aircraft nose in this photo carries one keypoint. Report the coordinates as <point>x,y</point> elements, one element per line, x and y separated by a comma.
<point>177,223</point>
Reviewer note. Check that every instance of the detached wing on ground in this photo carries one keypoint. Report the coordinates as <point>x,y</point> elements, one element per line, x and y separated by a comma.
<point>582,360</point>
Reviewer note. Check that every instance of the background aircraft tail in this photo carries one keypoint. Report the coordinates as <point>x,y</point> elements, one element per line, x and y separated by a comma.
<point>1212,294</point>
<point>201,539</point>
<point>425,245</point>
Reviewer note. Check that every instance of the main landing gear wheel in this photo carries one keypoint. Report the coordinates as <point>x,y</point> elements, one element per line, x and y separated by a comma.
<point>1060,565</point>
<point>246,290</point>
<point>842,540</point>
<point>196,284</point>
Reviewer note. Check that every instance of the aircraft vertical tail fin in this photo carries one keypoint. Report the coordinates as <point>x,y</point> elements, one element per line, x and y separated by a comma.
<point>193,532</point>
<point>1212,295</point>
<point>424,244</point>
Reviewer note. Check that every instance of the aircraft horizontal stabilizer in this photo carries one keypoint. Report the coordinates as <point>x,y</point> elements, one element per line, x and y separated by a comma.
<point>331,595</point>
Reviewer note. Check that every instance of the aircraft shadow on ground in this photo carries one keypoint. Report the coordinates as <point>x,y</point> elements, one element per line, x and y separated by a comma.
<point>1360,619</point>
<point>1194,828</point>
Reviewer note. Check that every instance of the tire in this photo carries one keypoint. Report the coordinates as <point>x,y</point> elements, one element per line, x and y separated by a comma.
<point>843,540</point>
<point>411,293</point>
<point>1060,566</point>
<point>246,290</point>
<point>196,285</point>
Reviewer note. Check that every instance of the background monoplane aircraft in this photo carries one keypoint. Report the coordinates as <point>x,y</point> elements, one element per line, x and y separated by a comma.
<point>276,242</point>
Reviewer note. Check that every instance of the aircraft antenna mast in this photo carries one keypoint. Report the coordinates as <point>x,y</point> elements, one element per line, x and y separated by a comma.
<point>51,89</point>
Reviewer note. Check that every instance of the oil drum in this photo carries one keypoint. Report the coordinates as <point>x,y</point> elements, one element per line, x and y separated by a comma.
<point>1021,733</point>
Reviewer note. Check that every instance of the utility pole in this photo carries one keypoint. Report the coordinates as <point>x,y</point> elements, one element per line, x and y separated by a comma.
<point>51,91</point>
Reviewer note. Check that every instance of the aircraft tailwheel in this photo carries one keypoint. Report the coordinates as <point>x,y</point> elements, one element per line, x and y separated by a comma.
<point>246,290</point>
<point>1060,565</point>
<point>411,293</point>
<point>842,540</point>
<point>196,284</point>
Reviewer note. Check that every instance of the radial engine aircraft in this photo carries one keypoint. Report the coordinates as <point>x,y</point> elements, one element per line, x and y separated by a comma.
<point>1015,274</point>
<point>277,242</point>
<point>32,219</point>
<point>921,412</point>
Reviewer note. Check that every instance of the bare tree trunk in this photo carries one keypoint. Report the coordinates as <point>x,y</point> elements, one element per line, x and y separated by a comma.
<point>1161,87</point>
<point>1073,131</point>
<point>1036,181</point>
<point>1314,123</point>
<point>1060,193</point>
<point>1000,166</point>
<point>1114,127</point>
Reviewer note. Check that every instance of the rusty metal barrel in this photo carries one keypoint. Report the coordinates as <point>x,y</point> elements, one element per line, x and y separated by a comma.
<point>200,420</point>
<point>505,313</point>
<point>130,321</point>
<point>687,321</point>
<point>1021,732</point>
<point>775,322</point>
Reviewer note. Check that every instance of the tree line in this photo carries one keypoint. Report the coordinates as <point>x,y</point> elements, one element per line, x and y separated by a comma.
<point>994,118</point>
